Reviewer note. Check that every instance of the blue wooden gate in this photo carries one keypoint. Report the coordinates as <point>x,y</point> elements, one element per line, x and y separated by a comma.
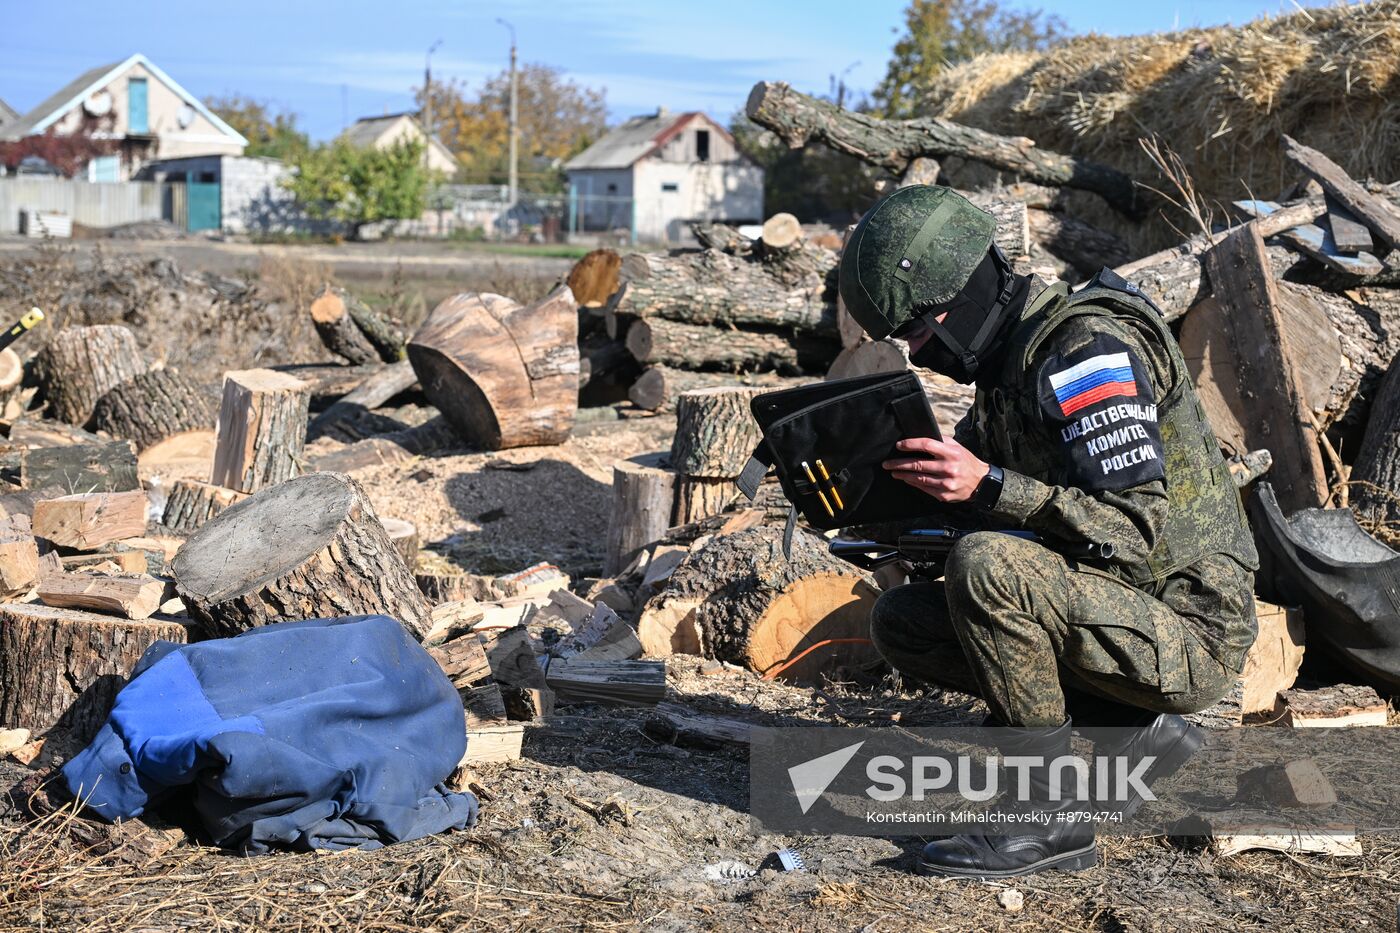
<point>203,205</point>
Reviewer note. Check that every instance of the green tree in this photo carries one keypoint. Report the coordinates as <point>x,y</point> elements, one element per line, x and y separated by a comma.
<point>274,135</point>
<point>558,119</point>
<point>938,33</point>
<point>361,186</point>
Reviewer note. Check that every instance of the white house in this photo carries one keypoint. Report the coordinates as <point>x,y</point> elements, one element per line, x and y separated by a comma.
<point>657,173</point>
<point>383,132</point>
<point>137,105</point>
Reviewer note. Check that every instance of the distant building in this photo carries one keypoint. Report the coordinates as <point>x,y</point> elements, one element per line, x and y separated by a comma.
<point>655,174</point>
<point>8,114</point>
<point>140,107</point>
<point>383,132</point>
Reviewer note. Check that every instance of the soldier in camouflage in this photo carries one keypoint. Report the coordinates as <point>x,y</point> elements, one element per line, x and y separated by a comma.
<point>1134,602</point>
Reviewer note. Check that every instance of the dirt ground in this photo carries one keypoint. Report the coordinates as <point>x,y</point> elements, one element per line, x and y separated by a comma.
<point>599,826</point>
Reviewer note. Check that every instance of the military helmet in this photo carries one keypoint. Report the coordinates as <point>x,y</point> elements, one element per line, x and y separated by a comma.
<point>917,247</point>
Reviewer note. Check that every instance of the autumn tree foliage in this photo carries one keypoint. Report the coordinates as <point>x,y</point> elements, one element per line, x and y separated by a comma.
<point>68,153</point>
<point>558,119</point>
<point>272,133</point>
<point>940,32</point>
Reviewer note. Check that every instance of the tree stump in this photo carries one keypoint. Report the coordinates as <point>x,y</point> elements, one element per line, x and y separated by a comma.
<point>262,429</point>
<point>705,346</point>
<point>80,364</point>
<point>153,407</point>
<point>352,329</point>
<point>699,497</point>
<point>643,498</point>
<point>715,431</point>
<point>192,503</point>
<point>405,537</point>
<point>502,374</point>
<point>63,667</point>
<point>309,548</point>
<point>738,599</point>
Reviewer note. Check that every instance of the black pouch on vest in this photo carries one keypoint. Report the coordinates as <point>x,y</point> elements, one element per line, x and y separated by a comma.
<point>827,442</point>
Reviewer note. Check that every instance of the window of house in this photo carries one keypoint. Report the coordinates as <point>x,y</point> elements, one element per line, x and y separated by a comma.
<point>702,145</point>
<point>670,186</point>
<point>612,189</point>
<point>207,178</point>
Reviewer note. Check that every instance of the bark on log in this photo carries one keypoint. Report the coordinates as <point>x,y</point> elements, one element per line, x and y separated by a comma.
<point>101,467</point>
<point>950,400</point>
<point>643,498</point>
<point>1376,472</point>
<point>375,390</point>
<point>740,600</point>
<point>62,667</point>
<point>152,407</point>
<point>405,537</point>
<point>80,364</point>
<point>353,329</point>
<point>697,346</point>
<point>262,429</point>
<point>504,375</point>
<point>89,521</point>
<point>192,503</point>
<point>649,391</point>
<point>309,548</point>
<point>715,431</point>
<point>329,381</point>
<point>893,144</point>
<point>699,497</point>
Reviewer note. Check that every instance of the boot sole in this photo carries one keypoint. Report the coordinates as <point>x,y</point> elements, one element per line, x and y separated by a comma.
<point>1077,860</point>
<point>1169,763</point>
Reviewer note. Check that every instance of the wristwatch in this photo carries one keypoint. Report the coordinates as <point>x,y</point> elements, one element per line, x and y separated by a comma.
<point>988,491</point>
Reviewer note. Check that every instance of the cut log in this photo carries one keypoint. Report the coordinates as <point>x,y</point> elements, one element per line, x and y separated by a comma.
<point>35,433</point>
<point>80,364</point>
<point>309,548</point>
<point>643,499</point>
<point>130,595</point>
<point>649,391</point>
<point>1280,420</point>
<point>675,724</point>
<point>622,683</point>
<point>950,400</point>
<point>699,497</point>
<point>1331,707</point>
<point>1348,233</point>
<point>738,599</point>
<point>463,660</point>
<point>487,744</point>
<point>1273,661</point>
<point>502,374</point>
<point>152,407</point>
<point>101,467</point>
<point>376,389</point>
<point>484,706</point>
<point>262,429</point>
<point>513,660</point>
<point>594,278</point>
<point>781,231</point>
<point>1367,207</point>
<point>536,580</point>
<point>1293,784</point>
<point>89,521</point>
<point>191,451</point>
<point>893,144</point>
<point>697,346</point>
<point>405,537</point>
<point>715,431</point>
<point>63,667</point>
<point>19,557</point>
<point>328,382</point>
<point>353,329</point>
<point>1375,494</point>
<point>192,503</point>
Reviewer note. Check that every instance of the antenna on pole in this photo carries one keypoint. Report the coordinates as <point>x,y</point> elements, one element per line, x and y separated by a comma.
<point>514,120</point>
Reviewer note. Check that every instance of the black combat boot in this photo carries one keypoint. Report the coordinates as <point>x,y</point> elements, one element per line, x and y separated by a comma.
<point>1166,737</point>
<point>1066,843</point>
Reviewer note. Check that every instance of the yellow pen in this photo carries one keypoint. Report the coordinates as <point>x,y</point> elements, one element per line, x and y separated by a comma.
<point>813,480</point>
<point>835,496</point>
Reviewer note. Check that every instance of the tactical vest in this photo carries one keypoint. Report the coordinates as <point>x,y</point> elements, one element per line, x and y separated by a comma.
<point>1205,515</point>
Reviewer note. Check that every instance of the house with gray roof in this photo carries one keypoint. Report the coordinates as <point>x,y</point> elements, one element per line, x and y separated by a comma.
<point>139,108</point>
<point>656,174</point>
<point>383,132</point>
<point>8,114</point>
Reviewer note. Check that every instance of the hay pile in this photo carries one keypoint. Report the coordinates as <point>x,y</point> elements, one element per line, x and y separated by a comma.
<point>1220,97</point>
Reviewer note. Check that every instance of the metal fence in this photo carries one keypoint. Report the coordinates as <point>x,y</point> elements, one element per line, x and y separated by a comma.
<point>92,204</point>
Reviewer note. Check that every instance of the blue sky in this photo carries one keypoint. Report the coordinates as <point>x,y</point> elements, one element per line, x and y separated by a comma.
<point>324,59</point>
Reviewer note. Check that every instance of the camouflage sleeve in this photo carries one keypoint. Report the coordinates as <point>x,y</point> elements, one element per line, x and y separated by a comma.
<point>1098,404</point>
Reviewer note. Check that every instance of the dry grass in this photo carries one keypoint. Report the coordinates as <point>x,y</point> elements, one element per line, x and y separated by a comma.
<point>1221,96</point>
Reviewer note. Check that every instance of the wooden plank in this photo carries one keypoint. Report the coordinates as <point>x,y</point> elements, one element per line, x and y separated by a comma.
<point>87,522</point>
<point>671,722</point>
<point>1279,418</point>
<point>463,660</point>
<point>493,743</point>
<point>1367,208</point>
<point>1350,235</point>
<point>1331,708</point>
<point>484,706</point>
<point>1273,661</point>
<point>1316,242</point>
<point>626,683</point>
<point>131,595</point>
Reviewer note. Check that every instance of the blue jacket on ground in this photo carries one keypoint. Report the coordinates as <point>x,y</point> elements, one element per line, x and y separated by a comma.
<point>325,734</point>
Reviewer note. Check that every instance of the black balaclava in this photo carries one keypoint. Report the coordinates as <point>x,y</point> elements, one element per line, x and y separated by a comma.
<point>968,339</point>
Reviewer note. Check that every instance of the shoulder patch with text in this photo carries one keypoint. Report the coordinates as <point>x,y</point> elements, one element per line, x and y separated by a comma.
<point>1099,400</point>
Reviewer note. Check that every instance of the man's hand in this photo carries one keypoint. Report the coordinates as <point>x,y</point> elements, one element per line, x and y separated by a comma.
<point>946,470</point>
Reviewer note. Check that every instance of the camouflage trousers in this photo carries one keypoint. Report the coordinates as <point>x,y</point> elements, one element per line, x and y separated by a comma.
<point>1022,627</point>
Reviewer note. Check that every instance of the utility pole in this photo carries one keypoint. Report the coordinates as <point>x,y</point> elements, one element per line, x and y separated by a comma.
<point>514,120</point>
<point>428,99</point>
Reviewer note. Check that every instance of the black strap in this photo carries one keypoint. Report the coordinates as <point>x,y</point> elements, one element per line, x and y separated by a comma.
<point>753,472</point>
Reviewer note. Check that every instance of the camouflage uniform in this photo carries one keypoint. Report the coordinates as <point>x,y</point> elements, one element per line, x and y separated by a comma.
<point>1163,625</point>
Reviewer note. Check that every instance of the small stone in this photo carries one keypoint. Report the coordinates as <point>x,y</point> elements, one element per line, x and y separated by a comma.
<point>1011,900</point>
<point>11,739</point>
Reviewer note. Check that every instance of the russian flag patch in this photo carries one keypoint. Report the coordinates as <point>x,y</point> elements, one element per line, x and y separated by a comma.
<point>1093,380</point>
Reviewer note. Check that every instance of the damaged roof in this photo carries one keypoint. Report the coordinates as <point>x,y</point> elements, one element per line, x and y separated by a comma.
<point>632,140</point>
